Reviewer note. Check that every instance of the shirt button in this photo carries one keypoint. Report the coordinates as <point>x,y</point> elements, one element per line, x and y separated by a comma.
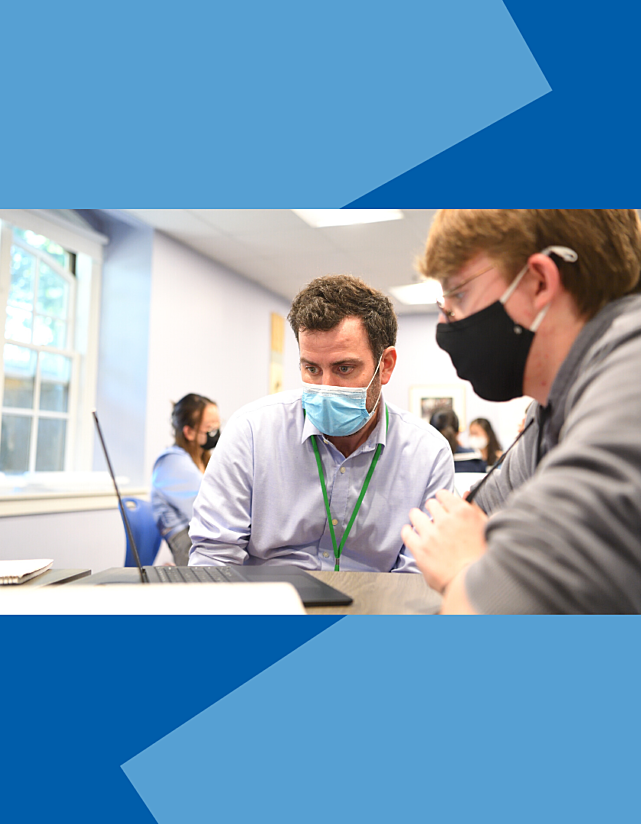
<point>335,521</point>
<point>342,470</point>
<point>325,554</point>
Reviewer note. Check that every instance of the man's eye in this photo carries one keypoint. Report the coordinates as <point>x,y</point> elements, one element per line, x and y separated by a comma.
<point>344,369</point>
<point>311,369</point>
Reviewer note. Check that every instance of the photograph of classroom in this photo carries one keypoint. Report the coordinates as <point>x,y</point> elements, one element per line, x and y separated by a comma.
<point>160,319</point>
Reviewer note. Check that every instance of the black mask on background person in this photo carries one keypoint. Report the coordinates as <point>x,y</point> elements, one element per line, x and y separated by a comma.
<point>212,439</point>
<point>488,348</point>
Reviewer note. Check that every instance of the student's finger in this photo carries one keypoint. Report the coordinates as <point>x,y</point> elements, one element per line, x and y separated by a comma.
<point>435,509</point>
<point>448,500</point>
<point>420,521</point>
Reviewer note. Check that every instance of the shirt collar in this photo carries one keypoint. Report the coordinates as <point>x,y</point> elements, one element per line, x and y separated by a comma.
<point>379,435</point>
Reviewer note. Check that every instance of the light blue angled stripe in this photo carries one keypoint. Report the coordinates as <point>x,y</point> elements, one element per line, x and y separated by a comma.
<point>413,719</point>
<point>346,96</point>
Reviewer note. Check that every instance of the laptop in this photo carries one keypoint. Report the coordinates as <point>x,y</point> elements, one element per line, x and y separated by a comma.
<point>312,592</point>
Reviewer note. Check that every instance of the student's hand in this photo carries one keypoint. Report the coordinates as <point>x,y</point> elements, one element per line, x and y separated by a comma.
<point>449,542</point>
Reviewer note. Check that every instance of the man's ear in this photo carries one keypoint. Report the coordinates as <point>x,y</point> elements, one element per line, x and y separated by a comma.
<point>545,280</point>
<point>388,362</point>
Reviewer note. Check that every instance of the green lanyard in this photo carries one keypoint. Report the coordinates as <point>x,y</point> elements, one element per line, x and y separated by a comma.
<point>339,549</point>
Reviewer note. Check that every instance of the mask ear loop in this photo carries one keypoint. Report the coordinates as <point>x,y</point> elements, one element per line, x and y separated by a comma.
<point>565,253</point>
<point>370,383</point>
<point>378,366</point>
<point>512,287</point>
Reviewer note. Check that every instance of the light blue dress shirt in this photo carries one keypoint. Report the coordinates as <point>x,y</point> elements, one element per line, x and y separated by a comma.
<point>174,485</point>
<point>261,500</point>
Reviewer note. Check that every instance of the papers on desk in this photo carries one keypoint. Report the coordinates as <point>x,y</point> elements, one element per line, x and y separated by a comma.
<point>17,572</point>
<point>154,599</point>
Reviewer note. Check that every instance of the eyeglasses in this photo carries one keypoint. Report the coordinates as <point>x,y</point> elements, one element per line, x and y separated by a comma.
<point>449,313</point>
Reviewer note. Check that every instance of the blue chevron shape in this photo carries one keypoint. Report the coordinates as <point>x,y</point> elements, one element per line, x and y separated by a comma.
<point>82,694</point>
<point>576,147</point>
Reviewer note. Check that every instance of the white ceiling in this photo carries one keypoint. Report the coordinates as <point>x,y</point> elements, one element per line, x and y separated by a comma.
<point>278,250</point>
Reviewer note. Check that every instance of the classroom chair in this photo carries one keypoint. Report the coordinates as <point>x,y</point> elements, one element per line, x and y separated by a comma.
<point>144,531</point>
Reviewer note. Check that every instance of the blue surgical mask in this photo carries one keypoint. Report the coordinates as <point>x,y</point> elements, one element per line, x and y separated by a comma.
<point>338,411</point>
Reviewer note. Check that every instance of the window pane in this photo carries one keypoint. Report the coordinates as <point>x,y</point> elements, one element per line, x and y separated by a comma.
<point>18,325</point>
<point>15,439</point>
<point>50,453</point>
<point>49,332</point>
<point>22,269</point>
<point>55,372</point>
<point>40,242</point>
<point>53,292</point>
<point>19,376</point>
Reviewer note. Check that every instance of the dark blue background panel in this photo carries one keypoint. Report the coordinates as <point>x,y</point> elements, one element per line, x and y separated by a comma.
<point>576,147</point>
<point>81,695</point>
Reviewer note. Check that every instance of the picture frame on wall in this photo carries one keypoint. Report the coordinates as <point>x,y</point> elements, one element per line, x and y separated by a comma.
<point>425,400</point>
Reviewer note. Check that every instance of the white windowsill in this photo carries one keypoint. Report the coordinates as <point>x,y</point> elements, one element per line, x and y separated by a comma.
<point>66,492</point>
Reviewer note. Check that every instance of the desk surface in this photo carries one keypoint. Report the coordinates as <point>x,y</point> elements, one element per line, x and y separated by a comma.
<point>380,593</point>
<point>374,593</point>
<point>54,577</point>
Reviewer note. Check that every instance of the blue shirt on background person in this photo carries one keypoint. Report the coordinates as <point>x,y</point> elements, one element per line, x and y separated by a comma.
<point>178,470</point>
<point>174,485</point>
<point>468,460</point>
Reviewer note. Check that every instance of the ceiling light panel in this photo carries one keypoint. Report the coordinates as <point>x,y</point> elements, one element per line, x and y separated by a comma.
<point>320,218</point>
<point>418,294</point>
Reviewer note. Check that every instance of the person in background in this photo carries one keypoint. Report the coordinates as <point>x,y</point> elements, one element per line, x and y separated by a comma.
<point>544,303</point>
<point>483,438</point>
<point>465,460</point>
<point>178,471</point>
<point>521,425</point>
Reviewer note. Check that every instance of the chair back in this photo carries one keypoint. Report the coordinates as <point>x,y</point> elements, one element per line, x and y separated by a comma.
<point>144,530</point>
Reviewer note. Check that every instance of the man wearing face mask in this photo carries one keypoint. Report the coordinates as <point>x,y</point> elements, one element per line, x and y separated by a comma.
<point>323,477</point>
<point>545,303</point>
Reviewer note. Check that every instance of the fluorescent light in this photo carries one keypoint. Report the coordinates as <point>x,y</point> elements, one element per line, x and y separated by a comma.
<point>417,294</point>
<point>319,218</point>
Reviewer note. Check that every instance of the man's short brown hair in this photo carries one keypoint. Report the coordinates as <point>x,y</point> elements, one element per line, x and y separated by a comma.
<point>326,301</point>
<point>607,241</point>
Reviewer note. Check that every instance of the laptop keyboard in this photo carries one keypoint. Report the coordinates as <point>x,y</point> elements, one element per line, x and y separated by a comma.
<point>195,575</point>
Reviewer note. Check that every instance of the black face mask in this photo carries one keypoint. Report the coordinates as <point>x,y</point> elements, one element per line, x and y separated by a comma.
<point>488,349</point>
<point>212,439</point>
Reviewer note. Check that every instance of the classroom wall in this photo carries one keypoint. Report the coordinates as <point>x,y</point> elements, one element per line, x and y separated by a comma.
<point>123,353</point>
<point>421,361</point>
<point>209,332</point>
<point>92,540</point>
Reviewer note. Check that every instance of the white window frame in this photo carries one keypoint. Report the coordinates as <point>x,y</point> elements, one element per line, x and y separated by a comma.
<point>34,412</point>
<point>83,327</point>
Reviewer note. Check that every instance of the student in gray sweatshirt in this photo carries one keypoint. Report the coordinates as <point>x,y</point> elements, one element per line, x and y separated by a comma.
<point>542,302</point>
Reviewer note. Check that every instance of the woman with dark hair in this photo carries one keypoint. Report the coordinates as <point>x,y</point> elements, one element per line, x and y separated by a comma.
<point>483,438</point>
<point>465,460</point>
<point>178,470</point>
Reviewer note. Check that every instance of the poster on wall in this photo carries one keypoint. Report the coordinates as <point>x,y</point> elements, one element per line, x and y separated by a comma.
<point>276,353</point>
<point>429,398</point>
